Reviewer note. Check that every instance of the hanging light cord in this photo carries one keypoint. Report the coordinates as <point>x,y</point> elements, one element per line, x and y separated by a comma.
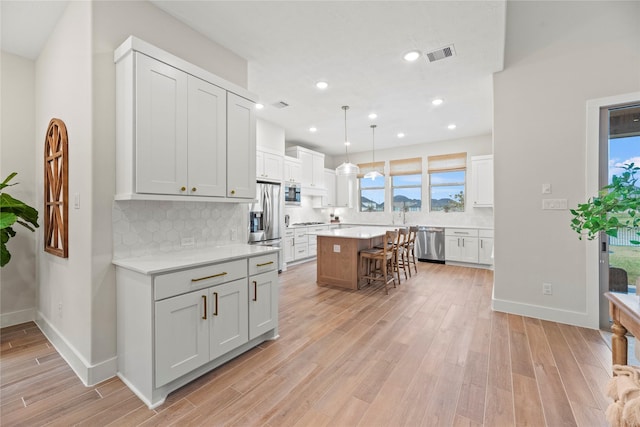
<point>346,146</point>
<point>373,143</point>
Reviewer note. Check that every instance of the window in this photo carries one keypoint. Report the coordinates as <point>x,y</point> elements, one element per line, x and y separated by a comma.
<point>406,184</point>
<point>447,182</point>
<point>371,190</point>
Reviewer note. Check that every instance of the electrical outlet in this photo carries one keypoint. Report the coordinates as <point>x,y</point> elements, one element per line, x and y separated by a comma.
<point>336,248</point>
<point>547,289</point>
<point>234,234</point>
<point>188,241</point>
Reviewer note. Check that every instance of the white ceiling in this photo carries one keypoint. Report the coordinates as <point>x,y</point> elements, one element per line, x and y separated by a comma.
<point>357,47</point>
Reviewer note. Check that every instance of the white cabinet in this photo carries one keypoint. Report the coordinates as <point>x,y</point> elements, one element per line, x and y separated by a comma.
<point>327,200</point>
<point>461,245</point>
<point>482,181</point>
<point>269,166</point>
<point>346,190</point>
<point>301,243</point>
<point>173,326</point>
<point>180,131</point>
<point>289,246</point>
<point>313,239</point>
<point>292,169</point>
<point>263,295</point>
<point>485,247</point>
<point>312,169</point>
<point>241,143</point>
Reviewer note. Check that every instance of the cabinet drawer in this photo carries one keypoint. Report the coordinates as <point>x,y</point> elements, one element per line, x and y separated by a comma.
<point>301,252</point>
<point>485,233</point>
<point>461,232</point>
<point>167,285</point>
<point>301,234</point>
<point>262,264</point>
<point>289,233</point>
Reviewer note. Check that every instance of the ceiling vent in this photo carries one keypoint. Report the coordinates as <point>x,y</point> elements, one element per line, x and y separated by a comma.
<point>280,104</point>
<point>441,53</point>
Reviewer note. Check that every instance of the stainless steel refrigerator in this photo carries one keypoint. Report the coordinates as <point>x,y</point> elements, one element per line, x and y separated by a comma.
<point>264,218</point>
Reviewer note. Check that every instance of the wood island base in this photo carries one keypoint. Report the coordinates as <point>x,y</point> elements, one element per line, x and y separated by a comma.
<point>338,260</point>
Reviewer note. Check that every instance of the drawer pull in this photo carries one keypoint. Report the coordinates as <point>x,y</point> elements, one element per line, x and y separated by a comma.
<point>264,263</point>
<point>215,312</point>
<point>209,277</point>
<point>255,290</point>
<point>204,315</point>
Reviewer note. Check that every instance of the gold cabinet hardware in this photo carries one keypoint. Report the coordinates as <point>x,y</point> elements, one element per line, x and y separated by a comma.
<point>209,277</point>
<point>204,314</point>
<point>233,192</point>
<point>193,190</point>
<point>215,312</point>
<point>255,290</point>
<point>264,263</point>
<point>183,188</point>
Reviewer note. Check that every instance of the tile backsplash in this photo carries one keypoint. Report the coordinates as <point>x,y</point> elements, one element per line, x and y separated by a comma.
<point>148,227</point>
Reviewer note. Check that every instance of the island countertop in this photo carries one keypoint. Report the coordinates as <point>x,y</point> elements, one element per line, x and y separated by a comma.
<point>354,232</point>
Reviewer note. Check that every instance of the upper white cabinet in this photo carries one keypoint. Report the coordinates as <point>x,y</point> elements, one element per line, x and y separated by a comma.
<point>328,199</point>
<point>292,169</point>
<point>269,166</point>
<point>181,131</point>
<point>346,186</point>
<point>482,181</point>
<point>312,169</point>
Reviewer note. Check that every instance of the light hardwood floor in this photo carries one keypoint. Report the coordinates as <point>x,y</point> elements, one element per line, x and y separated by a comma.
<point>430,353</point>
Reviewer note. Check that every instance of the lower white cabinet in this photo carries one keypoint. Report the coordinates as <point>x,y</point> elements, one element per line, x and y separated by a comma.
<point>174,326</point>
<point>485,247</point>
<point>461,245</point>
<point>301,243</point>
<point>289,248</point>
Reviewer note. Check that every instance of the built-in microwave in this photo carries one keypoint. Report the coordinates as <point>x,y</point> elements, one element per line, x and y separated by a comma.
<point>292,194</point>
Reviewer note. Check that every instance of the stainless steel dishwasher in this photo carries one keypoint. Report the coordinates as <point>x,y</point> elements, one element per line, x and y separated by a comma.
<point>430,244</point>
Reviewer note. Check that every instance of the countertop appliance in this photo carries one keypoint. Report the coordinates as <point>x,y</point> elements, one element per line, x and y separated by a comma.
<point>430,244</point>
<point>264,218</point>
<point>292,195</point>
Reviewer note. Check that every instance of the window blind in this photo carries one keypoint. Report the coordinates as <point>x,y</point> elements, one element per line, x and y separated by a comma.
<point>447,162</point>
<point>405,166</point>
<point>370,167</point>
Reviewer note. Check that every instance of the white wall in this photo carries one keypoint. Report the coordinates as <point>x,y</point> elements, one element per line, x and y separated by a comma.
<point>17,154</point>
<point>269,136</point>
<point>63,90</point>
<point>558,56</point>
<point>472,217</point>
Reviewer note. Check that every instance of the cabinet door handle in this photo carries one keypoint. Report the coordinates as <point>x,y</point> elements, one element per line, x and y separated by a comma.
<point>209,277</point>
<point>215,312</point>
<point>255,290</point>
<point>481,246</point>
<point>264,263</point>
<point>183,188</point>
<point>193,190</point>
<point>204,314</point>
<point>233,192</point>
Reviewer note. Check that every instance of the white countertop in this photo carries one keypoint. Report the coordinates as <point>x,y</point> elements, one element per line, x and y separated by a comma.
<point>354,232</point>
<point>427,224</point>
<point>165,262</point>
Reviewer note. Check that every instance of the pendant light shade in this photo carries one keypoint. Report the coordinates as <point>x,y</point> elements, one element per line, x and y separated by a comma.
<point>347,168</point>
<point>372,175</point>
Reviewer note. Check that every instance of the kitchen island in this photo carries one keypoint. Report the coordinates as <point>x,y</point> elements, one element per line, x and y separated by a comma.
<point>338,254</point>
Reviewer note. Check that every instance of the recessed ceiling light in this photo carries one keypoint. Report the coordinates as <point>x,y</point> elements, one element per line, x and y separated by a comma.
<point>373,116</point>
<point>322,85</point>
<point>400,135</point>
<point>412,56</point>
<point>451,126</point>
<point>313,129</point>
<point>259,106</point>
<point>437,101</point>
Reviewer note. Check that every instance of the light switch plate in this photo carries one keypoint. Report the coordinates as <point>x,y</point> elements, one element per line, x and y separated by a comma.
<point>554,204</point>
<point>546,188</point>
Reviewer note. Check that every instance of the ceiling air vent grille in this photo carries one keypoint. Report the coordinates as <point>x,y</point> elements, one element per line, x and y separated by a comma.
<point>280,104</point>
<point>441,53</point>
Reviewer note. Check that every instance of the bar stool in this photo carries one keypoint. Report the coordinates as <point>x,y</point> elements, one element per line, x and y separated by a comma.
<point>400,253</point>
<point>376,264</point>
<point>411,249</point>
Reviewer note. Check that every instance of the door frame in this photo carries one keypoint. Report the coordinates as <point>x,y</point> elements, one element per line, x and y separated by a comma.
<point>592,185</point>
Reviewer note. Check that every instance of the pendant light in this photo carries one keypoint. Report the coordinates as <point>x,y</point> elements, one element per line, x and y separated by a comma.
<point>373,174</point>
<point>347,168</point>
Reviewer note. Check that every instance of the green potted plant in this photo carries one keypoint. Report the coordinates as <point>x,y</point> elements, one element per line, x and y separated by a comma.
<point>13,211</point>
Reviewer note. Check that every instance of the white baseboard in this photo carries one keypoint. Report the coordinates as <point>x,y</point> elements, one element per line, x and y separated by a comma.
<point>89,374</point>
<point>575,318</point>
<point>17,317</point>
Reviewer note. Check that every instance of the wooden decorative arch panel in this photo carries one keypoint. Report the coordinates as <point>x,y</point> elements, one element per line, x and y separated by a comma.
<point>56,189</point>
